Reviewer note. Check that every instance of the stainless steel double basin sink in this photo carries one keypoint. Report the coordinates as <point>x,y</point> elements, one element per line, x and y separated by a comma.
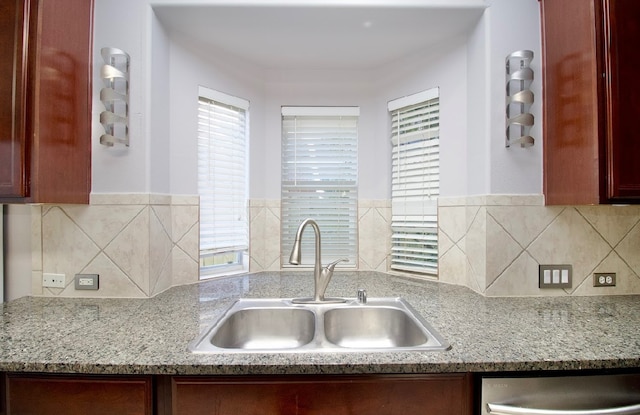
<point>281,325</point>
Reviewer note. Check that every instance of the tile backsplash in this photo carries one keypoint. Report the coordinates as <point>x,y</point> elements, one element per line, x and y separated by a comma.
<point>494,245</point>
<point>139,244</point>
<point>142,244</point>
<point>374,235</point>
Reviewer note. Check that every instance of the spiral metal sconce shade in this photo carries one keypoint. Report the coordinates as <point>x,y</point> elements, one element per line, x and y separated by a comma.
<point>115,97</point>
<point>519,98</point>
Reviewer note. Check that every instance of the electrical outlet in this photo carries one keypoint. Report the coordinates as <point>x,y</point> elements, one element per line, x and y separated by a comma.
<point>53,280</point>
<point>555,276</point>
<point>604,279</point>
<point>86,281</point>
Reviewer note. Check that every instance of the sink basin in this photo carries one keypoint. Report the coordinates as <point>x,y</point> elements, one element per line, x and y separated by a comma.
<point>265,328</point>
<point>280,325</point>
<point>373,327</point>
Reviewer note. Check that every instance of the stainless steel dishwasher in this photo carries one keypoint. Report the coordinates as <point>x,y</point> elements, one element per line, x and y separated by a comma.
<point>617,394</point>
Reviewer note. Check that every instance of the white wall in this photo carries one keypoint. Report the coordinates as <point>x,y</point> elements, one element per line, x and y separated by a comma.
<point>268,91</point>
<point>190,67</point>
<point>443,66</point>
<point>159,115</point>
<point>469,71</point>
<point>513,25</point>
<point>323,88</point>
<point>123,24</point>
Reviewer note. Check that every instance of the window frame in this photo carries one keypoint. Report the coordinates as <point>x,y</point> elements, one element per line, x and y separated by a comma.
<point>220,260</point>
<point>415,189</point>
<point>294,211</point>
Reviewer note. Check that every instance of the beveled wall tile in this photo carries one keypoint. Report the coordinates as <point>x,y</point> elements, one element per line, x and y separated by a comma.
<point>103,222</point>
<point>160,246</point>
<point>626,280</point>
<point>183,219</point>
<point>119,199</point>
<point>190,243</point>
<point>520,279</point>
<point>476,248</point>
<point>374,236</point>
<point>629,249</point>
<point>257,234</point>
<point>272,236</point>
<point>502,250</point>
<point>524,223</point>
<point>185,200</point>
<point>135,241</point>
<point>130,250</point>
<point>453,221</point>
<point>36,282</point>
<point>569,239</point>
<point>492,244</point>
<point>452,267</point>
<point>523,234</point>
<point>36,238</point>
<point>186,270</point>
<point>66,248</point>
<point>113,282</point>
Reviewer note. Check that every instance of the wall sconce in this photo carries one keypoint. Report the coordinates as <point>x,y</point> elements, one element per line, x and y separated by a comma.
<point>519,98</point>
<point>115,97</point>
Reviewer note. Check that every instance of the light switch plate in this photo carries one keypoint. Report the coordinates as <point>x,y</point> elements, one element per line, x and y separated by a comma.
<point>555,276</point>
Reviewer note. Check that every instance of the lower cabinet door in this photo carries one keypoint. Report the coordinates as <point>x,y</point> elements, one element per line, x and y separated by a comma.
<point>71,395</point>
<point>322,395</point>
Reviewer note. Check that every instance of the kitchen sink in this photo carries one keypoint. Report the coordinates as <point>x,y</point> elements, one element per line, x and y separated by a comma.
<point>282,325</point>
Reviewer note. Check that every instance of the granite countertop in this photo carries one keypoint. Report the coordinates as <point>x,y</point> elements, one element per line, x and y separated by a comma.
<point>150,336</point>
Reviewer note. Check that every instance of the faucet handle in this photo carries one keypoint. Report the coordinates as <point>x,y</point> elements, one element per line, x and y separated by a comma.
<point>362,296</point>
<point>332,265</point>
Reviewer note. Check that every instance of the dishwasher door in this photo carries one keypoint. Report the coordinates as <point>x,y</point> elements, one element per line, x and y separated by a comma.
<point>562,395</point>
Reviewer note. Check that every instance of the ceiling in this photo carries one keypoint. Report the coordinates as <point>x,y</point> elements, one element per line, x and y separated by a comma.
<point>318,37</point>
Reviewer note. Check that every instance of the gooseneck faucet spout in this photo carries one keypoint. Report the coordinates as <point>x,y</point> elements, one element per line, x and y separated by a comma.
<point>321,275</point>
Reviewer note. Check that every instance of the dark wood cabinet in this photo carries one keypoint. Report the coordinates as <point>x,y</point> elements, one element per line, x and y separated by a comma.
<point>337,395</point>
<point>74,394</point>
<point>45,100</point>
<point>591,101</point>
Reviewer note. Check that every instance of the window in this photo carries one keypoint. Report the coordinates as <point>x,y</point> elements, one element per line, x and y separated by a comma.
<point>222,182</point>
<point>320,180</point>
<point>415,186</point>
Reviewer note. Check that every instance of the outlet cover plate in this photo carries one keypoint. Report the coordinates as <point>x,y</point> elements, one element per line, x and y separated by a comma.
<point>50,280</point>
<point>604,279</point>
<point>87,281</point>
<point>555,276</point>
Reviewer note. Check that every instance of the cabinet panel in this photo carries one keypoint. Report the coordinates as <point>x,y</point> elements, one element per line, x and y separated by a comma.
<point>570,103</point>
<point>45,124</point>
<point>621,36</point>
<point>70,395</point>
<point>61,155</point>
<point>13,31</point>
<point>591,101</point>
<point>321,395</point>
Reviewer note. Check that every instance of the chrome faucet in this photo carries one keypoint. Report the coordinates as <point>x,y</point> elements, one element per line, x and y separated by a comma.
<point>321,275</point>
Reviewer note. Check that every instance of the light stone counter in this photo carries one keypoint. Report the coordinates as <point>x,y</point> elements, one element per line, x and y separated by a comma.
<point>150,336</point>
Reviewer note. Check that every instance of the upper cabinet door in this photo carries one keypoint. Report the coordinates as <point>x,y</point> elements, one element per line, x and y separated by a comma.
<point>591,101</point>
<point>13,89</point>
<point>46,49</point>
<point>621,36</point>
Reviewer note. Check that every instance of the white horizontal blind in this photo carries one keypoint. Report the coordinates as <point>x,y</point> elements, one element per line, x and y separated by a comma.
<point>222,175</point>
<point>320,180</point>
<point>415,137</point>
